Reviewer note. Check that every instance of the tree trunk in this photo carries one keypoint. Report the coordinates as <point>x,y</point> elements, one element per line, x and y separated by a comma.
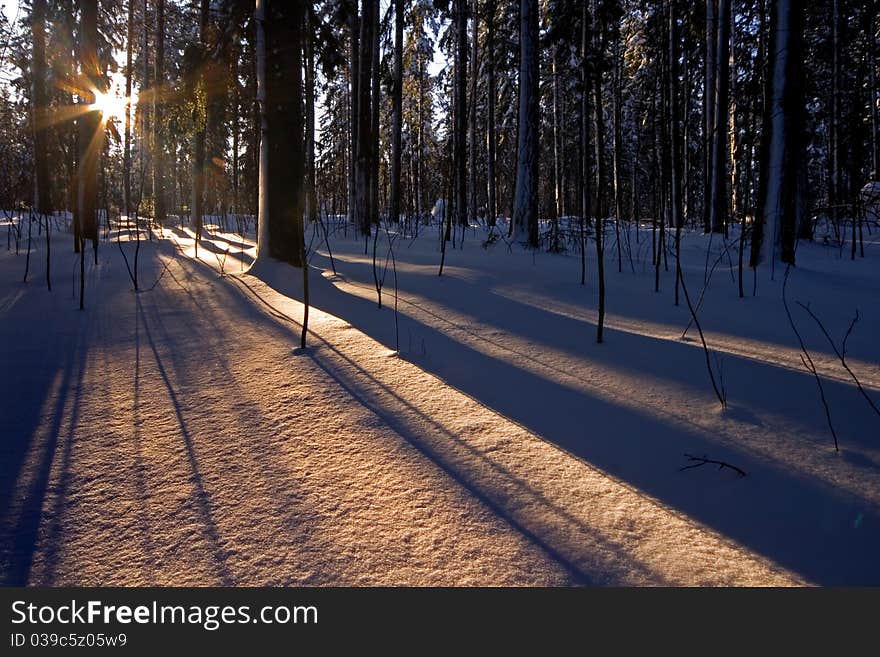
<point>472,130</point>
<point>599,128</point>
<point>126,157</point>
<point>365,125</point>
<point>91,132</point>
<point>42,201</point>
<point>709,110</point>
<point>719,198</point>
<point>309,45</point>
<point>491,139</point>
<point>586,192</point>
<point>282,148</point>
<point>198,167</point>
<point>375,156</point>
<point>525,206</point>
<point>780,194</point>
<point>158,122</point>
<point>397,113</point>
<point>354,110</point>
<point>460,130</point>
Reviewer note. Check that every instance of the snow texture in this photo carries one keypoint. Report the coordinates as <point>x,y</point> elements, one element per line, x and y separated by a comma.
<point>177,436</point>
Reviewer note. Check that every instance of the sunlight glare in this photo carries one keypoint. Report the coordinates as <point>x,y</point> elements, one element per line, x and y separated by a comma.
<point>110,103</point>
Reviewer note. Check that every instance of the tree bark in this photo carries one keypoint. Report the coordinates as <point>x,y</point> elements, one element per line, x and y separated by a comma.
<point>460,130</point>
<point>39,105</point>
<point>158,121</point>
<point>719,198</point>
<point>397,113</point>
<point>709,110</point>
<point>491,138</point>
<point>525,206</point>
<point>282,148</point>
<point>780,194</point>
<point>91,133</point>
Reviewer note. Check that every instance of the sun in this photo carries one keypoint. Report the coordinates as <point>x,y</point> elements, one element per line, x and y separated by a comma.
<point>109,104</point>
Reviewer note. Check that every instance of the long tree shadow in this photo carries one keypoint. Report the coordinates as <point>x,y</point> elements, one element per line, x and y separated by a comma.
<point>803,523</point>
<point>23,508</point>
<point>200,496</point>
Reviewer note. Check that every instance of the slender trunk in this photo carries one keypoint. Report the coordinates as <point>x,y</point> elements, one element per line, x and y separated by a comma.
<point>599,48</point>
<point>91,133</point>
<point>39,104</point>
<point>397,113</point>
<point>460,112</point>
<point>198,166</point>
<point>616,102</point>
<point>709,110</point>
<point>674,159</point>
<point>354,109</point>
<point>309,47</point>
<point>719,143</point>
<point>158,120</point>
<point>491,139</point>
<point>586,192</point>
<point>472,130</point>
<point>374,118</point>
<point>365,124</point>
<point>126,157</point>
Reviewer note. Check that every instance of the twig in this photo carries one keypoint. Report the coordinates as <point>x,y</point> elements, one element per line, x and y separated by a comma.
<point>719,393</point>
<point>807,360</point>
<point>841,353</point>
<point>702,460</point>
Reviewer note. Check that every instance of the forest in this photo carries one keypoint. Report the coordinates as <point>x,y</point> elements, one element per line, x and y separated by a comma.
<point>440,292</point>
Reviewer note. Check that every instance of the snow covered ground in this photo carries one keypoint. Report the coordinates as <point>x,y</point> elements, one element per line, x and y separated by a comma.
<point>178,436</point>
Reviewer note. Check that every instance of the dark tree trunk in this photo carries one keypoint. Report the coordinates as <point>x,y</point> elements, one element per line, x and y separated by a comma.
<point>491,209</point>
<point>397,111</point>
<point>460,130</point>
<point>91,133</point>
<point>126,157</point>
<point>158,121</point>
<point>709,109</point>
<point>364,143</point>
<point>525,206</point>
<point>780,204</point>
<point>39,104</point>
<point>309,45</point>
<point>719,197</point>
<point>282,147</point>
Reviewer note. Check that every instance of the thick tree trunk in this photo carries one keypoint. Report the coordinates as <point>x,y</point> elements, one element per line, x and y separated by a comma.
<point>525,205</point>
<point>780,195</point>
<point>158,121</point>
<point>282,148</point>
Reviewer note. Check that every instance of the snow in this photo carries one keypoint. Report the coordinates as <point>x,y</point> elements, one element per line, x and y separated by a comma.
<point>179,436</point>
